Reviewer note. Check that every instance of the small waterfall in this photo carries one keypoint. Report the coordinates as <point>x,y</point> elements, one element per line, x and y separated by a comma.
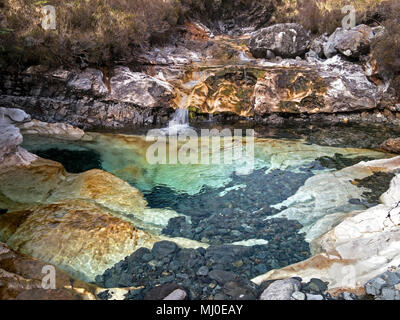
<point>179,121</point>
<point>180,117</point>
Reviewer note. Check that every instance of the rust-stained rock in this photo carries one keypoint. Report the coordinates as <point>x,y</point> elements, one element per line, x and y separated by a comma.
<point>45,181</point>
<point>225,90</point>
<point>197,32</point>
<point>21,278</point>
<point>77,236</point>
<point>290,90</point>
<point>331,86</point>
<point>392,145</point>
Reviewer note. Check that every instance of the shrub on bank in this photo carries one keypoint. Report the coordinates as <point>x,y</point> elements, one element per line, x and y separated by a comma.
<point>386,48</point>
<point>88,31</point>
<point>97,32</point>
<point>103,32</point>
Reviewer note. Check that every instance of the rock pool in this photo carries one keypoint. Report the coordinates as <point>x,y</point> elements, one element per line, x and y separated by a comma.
<point>247,224</point>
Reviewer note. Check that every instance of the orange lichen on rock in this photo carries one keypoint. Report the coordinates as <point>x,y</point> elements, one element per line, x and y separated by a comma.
<point>195,32</point>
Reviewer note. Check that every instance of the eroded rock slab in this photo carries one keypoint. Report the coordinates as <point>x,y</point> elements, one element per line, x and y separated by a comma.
<point>89,98</point>
<point>59,130</point>
<point>139,88</point>
<point>78,236</point>
<point>326,198</point>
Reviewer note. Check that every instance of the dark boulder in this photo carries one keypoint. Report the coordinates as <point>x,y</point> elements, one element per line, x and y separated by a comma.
<point>221,276</point>
<point>287,40</point>
<point>164,248</point>
<point>228,253</point>
<point>160,292</point>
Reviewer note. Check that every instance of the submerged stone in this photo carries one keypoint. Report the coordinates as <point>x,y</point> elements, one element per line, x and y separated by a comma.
<point>163,249</point>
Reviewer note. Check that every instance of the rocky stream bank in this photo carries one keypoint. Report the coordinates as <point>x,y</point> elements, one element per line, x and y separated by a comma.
<point>320,229</point>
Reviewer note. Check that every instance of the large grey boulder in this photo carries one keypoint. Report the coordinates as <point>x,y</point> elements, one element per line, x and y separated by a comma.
<point>351,43</point>
<point>281,289</point>
<point>287,40</point>
<point>89,80</point>
<point>89,99</point>
<point>139,88</point>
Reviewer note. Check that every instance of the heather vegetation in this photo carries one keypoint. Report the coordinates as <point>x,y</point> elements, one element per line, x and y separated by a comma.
<point>386,48</point>
<point>103,32</point>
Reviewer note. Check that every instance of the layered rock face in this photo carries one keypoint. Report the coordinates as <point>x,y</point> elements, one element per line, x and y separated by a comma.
<point>332,86</point>
<point>88,99</point>
<point>292,87</point>
<point>215,74</point>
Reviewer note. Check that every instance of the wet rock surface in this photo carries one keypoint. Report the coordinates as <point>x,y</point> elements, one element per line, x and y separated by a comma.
<point>369,237</point>
<point>217,285</point>
<point>338,161</point>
